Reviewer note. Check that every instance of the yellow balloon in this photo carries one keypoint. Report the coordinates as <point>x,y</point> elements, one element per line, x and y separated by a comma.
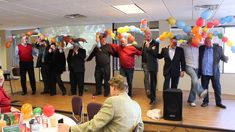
<point>210,35</point>
<point>26,110</point>
<point>230,43</point>
<point>171,21</point>
<point>205,29</point>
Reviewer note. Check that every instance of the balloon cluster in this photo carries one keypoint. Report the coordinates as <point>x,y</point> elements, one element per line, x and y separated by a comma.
<point>18,36</point>
<point>201,30</point>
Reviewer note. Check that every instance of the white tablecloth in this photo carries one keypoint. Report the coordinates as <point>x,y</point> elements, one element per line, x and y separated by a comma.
<point>66,119</point>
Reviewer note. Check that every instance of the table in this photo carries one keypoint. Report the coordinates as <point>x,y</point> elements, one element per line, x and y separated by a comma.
<point>58,116</point>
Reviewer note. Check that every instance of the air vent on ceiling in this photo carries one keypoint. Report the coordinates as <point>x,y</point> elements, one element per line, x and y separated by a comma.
<point>204,7</point>
<point>72,16</point>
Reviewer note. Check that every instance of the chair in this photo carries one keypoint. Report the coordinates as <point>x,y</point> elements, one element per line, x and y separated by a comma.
<point>92,109</point>
<point>77,108</point>
<point>8,77</point>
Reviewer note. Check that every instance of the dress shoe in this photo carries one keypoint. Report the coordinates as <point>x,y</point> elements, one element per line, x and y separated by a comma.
<point>204,104</point>
<point>96,93</point>
<point>106,94</point>
<point>24,93</point>
<point>52,94</point>
<point>63,93</point>
<point>34,92</point>
<point>44,92</point>
<point>152,102</point>
<point>221,106</point>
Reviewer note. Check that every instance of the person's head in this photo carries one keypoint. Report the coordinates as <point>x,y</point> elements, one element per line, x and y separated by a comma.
<point>1,78</point>
<point>148,35</point>
<point>76,45</point>
<point>117,85</point>
<point>123,42</point>
<point>25,39</point>
<point>102,38</point>
<point>53,46</point>
<point>208,41</point>
<point>173,42</point>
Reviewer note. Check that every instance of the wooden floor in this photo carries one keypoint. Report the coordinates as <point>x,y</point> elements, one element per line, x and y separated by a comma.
<point>204,119</point>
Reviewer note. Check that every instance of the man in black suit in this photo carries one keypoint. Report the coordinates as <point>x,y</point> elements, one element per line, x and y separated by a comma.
<point>43,62</point>
<point>174,66</point>
<point>209,58</point>
<point>150,65</point>
<point>76,62</point>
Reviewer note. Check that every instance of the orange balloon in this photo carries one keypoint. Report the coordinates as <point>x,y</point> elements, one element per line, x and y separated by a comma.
<point>195,41</point>
<point>196,30</point>
<point>53,40</point>
<point>131,39</point>
<point>8,45</point>
<point>29,33</point>
<point>26,110</point>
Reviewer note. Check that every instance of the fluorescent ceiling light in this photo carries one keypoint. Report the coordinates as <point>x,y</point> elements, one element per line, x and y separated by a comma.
<point>129,9</point>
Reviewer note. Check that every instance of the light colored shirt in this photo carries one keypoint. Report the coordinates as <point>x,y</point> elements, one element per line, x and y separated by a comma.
<point>191,55</point>
<point>172,52</point>
<point>207,62</point>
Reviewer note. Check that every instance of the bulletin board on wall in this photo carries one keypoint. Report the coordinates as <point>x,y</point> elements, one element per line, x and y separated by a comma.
<point>87,32</point>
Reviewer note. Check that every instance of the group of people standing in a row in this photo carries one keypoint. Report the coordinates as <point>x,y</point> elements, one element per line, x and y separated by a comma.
<point>196,62</point>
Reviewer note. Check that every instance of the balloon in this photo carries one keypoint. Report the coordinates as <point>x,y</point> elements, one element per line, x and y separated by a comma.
<point>143,24</point>
<point>171,21</point>
<point>53,40</point>
<point>229,43</point>
<point>210,25</point>
<point>180,24</point>
<point>131,39</point>
<point>224,39</point>
<point>8,45</point>
<point>205,29</point>
<point>220,35</point>
<point>195,42</point>
<point>200,22</point>
<point>233,49</point>
<point>196,30</point>
<point>222,20</point>
<point>204,34</point>
<point>210,35</point>
<point>26,110</point>
<point>229,19</point>
<point>29,33</point>
<point>215,33</point>
<point>18,36</point>
<point>37,110</point>
<point>216,22</point>
<point>206,14</point>
<point>187,29</point>
<point>48,110</point>
<point>178,36</point>
<point>132,28</point>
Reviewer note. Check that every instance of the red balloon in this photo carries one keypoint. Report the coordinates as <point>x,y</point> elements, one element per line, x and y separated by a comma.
<point>216,22</point>
<point>210,25</point>
<point>200,22</point>
<point>48,110</point>
<point>224,39</point>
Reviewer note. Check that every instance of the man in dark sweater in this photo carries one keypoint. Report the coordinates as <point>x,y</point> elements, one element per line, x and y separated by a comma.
<point>102,70</point>
<point>24,54</point>
<point>76,63</point>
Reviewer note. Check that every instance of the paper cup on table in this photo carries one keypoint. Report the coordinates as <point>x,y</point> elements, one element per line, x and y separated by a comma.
<point>53,121</point>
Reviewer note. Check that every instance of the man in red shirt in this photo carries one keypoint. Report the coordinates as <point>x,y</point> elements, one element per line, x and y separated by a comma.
<point>24,53</point>
<point>126,53</point>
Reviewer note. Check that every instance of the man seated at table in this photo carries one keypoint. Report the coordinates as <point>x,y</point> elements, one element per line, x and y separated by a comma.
<point>5,102</point>
<point>118,113</point>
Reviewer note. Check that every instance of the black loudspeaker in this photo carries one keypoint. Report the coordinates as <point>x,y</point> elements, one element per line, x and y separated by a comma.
<point>172,104</point>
